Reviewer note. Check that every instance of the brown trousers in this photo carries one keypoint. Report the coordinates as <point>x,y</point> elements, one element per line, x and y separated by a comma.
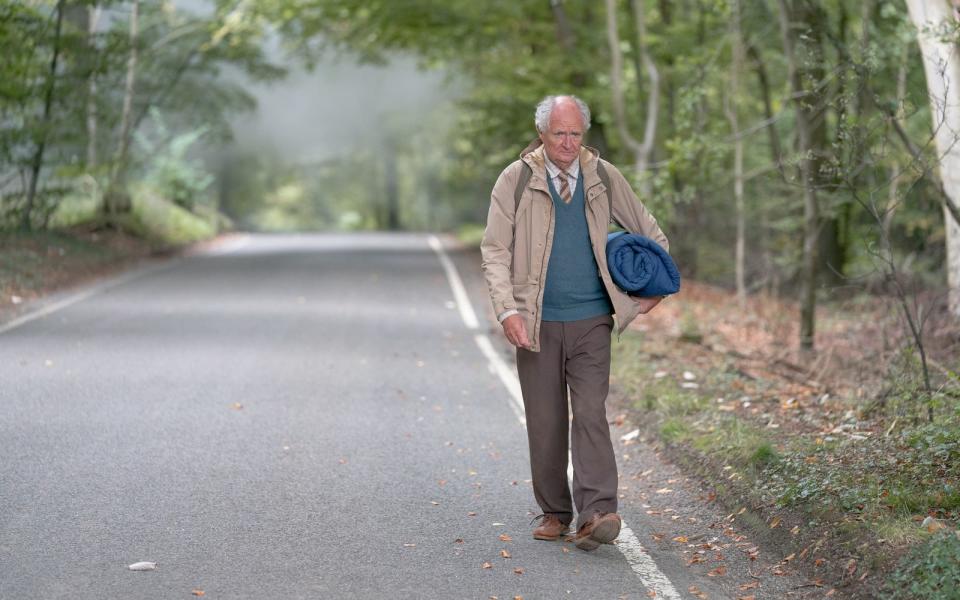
<point>574,354</point>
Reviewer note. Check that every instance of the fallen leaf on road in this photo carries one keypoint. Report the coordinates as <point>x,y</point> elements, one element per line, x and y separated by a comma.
<point>518,570</point>
<point>658,536</point>
<point>458,541</point>
<point>409,545</point>
<point>471,514</point>
<point>198,592</point>
<point>435,503</point>
<point>795,530</point>
<point>719,571</point>
<point>236,406</point>
<point>831,592</point>
<point>486,565</point>
<point>504,554</point>
<point>681,539</point>
<point>664,491</point>
<point>651,594</point>
<point>697,592</point>
<point>565,550</point>
<point>749,586</point>
<point>775,522</point>
<point>750,597</point>
<point>342,461</point>
<point>818,562</point>
<point>505,538</point>
<point>441,482</point>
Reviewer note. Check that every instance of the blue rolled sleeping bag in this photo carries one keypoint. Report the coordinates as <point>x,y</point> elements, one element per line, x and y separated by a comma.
<point>640,267</point>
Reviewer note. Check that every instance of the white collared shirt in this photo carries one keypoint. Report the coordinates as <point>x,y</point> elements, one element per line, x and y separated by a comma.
<point>573,172</point>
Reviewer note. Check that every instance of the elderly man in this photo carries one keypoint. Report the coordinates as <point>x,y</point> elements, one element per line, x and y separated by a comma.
<point>546,269</point>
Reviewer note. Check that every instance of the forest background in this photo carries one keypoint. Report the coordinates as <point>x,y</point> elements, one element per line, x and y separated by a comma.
<point>801,155</point>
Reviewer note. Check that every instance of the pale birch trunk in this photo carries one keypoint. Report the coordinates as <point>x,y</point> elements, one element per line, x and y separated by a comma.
<point>129,89</point>
<point>641,150</point>
<point>93,21</point>
<point>941,64</point>
<point>117,199</point>
<point>732,100</point>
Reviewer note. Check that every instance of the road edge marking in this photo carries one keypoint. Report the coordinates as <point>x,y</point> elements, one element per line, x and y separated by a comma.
<point>629,546</point>
<point>113,281</point>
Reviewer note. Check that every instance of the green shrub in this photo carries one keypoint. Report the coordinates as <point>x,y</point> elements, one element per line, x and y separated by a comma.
<point>158,220</point>
<point>930,572</point>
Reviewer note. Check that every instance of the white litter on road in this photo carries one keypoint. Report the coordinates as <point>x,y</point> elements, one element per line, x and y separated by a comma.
<point>640,562</point>
<point>143,566</point>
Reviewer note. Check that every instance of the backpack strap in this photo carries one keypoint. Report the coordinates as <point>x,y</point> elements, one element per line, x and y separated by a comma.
<point>525,174</point>
<point>605,179</point>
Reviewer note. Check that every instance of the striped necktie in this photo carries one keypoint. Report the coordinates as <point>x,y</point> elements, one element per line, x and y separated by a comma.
<point>563,187</point>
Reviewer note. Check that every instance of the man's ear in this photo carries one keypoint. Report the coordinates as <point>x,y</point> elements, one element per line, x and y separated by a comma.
<point>540,135</point>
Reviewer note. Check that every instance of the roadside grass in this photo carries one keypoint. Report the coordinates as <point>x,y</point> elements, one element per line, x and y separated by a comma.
<point>862,486</point>
<point>163,222</point>
<point>78,247</point>
<point>35,263</point>
<point>152,217</point>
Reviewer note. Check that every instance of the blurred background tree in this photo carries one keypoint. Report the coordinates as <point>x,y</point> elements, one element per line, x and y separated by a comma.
<point>779,142</point>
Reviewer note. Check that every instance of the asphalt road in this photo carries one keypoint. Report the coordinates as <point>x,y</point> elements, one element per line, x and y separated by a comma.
<point>303,417</point>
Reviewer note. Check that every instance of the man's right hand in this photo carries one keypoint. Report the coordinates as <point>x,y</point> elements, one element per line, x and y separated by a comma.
<point>516,331</point>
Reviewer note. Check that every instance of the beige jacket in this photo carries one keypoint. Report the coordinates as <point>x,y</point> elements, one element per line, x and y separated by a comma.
<point>517,243</point>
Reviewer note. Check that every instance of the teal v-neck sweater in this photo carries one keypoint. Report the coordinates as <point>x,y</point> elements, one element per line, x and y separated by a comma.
<point>573,290</point>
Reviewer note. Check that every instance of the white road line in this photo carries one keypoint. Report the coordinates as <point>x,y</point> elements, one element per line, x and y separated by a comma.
<point>459,293</point>
<point>628,544</point>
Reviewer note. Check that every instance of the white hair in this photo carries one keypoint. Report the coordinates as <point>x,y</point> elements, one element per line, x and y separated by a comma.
<point>541,118</point>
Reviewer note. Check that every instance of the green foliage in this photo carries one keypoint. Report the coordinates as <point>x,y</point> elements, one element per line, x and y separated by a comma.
<point>82,204</point>
<point>170,171</point>
<point>931,571</point>
<point>57,124</point>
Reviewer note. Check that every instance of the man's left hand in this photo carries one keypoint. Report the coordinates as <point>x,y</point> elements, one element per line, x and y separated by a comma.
<point>647,304</point>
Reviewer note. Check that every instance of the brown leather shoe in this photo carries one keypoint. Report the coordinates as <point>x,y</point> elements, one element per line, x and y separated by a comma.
<point>602,528</point>
<point>550,529</point>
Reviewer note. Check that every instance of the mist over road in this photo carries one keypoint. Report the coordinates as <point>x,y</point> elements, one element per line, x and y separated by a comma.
<point>302,417</point>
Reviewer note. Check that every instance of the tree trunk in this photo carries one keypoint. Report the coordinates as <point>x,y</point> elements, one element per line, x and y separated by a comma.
<point>641,150</point>
<point>732,100</point>
<point>391,187</point>
<point>36,162</point>
<point>776,154</point>
<point>117,199</point>
<point>811,217</point>
<point>93,21</point>
<point>941,63</point>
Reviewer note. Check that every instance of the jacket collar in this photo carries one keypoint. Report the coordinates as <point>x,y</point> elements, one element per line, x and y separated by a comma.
<point>533,156</point>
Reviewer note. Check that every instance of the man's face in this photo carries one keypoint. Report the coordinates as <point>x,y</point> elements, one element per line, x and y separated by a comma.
<point>564,134</point>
